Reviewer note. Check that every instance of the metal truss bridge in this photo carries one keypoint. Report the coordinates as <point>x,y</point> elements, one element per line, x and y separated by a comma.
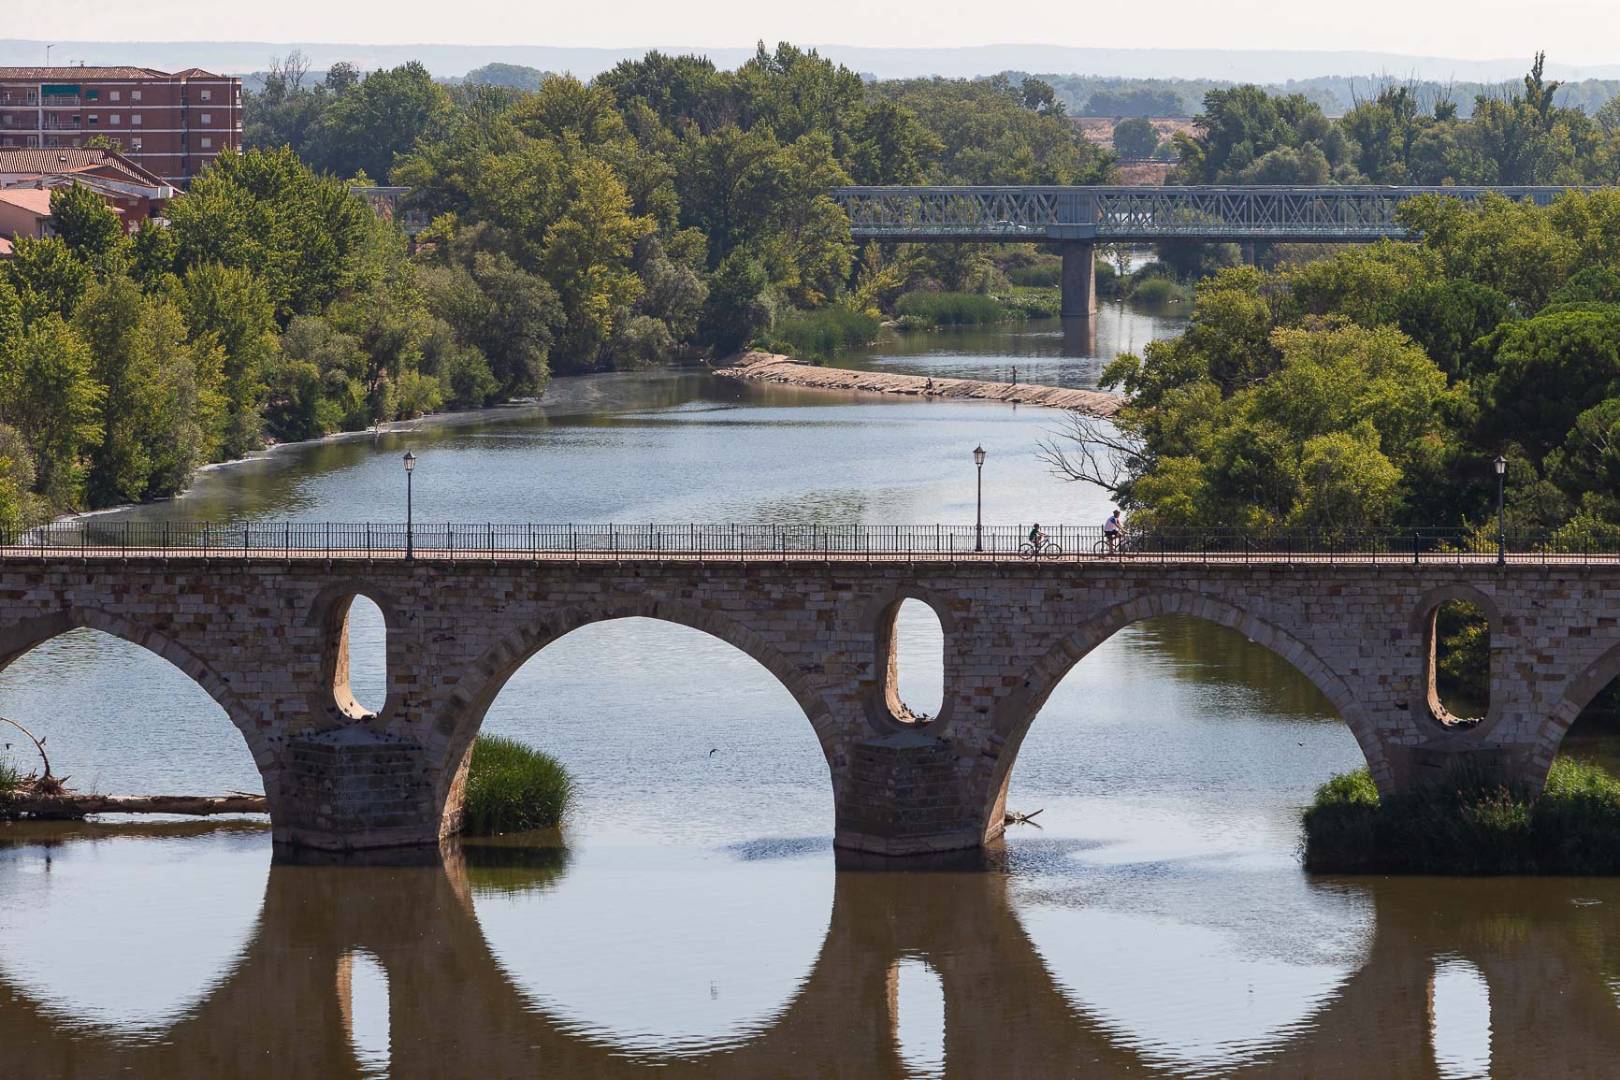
<point>1143,214</point>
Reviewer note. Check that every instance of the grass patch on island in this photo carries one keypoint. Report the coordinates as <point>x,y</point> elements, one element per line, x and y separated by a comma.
<point>1468,826</point>
<point>513,788</point>
<point>824,333</point>
<point>928,309</point>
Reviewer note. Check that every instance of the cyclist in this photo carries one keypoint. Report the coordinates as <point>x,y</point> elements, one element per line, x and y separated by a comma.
<point>1037,538</point>
<point>1111,529</point>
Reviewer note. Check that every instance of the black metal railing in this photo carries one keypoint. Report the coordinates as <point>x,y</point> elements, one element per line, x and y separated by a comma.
<point>104,538</point>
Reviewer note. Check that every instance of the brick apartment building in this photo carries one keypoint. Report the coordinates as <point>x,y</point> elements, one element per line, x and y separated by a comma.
<point>169,124</point>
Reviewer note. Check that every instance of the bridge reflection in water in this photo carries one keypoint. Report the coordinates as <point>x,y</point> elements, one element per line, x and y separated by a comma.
<point>354,971</point>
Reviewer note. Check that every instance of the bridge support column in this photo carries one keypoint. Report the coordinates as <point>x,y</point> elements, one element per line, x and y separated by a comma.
<point>906,794</point>
<point>1079,279</point>
<point>352,789</point>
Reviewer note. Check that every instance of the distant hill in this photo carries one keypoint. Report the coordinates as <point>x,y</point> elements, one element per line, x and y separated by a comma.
<point>1238,65</point>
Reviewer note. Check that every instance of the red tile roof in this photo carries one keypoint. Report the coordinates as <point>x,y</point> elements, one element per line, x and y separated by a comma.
<point>5,248</point>
<point>40,161</point>
<point>78,74</point>
<point>37,200</point>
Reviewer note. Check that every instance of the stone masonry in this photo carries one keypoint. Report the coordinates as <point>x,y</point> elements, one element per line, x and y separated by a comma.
<point>265,638</point>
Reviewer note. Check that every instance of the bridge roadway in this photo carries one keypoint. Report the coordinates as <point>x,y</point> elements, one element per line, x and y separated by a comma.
<point>265,633</point>
<point>1078,218</point>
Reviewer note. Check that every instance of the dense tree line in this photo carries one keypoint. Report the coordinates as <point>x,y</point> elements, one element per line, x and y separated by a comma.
<point>274,305</point>
<point>1522,135</point>
<point>668,207</point>
<point>1373,388</point>
<point>1092,95</point>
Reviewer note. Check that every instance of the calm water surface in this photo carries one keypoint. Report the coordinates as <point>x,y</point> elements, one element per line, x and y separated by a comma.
<point>692,918</point>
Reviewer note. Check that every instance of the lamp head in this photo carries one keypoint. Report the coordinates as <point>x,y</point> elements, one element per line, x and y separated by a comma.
<point>1501,464</point>
<point>978,455</point>
<point>410,461</point>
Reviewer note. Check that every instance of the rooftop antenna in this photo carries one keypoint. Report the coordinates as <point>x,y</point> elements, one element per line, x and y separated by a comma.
<point>48,49</point>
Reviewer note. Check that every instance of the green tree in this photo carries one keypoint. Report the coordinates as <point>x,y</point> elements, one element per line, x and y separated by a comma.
<point>85,223</point>
<point>1550,370</point>
<point>48,392</point>
<point>1135,138</point>
<point>230,307</point>
<point>368,124</point>
<point>48,278</point>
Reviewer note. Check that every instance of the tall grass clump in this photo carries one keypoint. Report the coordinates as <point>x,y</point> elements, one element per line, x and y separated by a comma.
<point>823,333</point>
<point>1158,290</point>
<point>1468,825</point>
<point>513,788</point>
<point>10,777</point>
<point>948,308</point>
<point>1041,274</point>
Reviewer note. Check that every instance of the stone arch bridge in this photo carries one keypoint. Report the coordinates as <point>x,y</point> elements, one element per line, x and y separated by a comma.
<point>265,634</point>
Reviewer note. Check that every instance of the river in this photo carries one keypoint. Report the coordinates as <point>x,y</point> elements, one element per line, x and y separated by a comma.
<point>692,916</point>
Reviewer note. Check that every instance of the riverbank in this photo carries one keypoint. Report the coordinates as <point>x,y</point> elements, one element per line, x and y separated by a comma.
<point>784,370</point>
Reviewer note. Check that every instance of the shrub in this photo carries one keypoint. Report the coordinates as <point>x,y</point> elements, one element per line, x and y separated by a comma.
<point>823,333</point>
<point>10,777</point>
<point>1039,275</point>
<point>1157,290</point>
<point>950,308</point>
<point>513,788</point>
<point>1030,304</point>
<point>1469,825</point>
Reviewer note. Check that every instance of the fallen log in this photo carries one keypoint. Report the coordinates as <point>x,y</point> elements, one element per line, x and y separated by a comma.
<point>67,807</point>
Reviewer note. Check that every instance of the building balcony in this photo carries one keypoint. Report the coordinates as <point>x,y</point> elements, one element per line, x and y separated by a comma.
<point>62,101</point>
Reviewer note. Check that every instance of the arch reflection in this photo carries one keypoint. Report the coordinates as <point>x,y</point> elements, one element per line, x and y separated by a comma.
<point>453,1007</point>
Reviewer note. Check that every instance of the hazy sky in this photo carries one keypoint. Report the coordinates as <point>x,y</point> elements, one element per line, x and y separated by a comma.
<point>1572,31</point>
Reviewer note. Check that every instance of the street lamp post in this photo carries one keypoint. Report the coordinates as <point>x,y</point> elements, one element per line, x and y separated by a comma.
<point>978,515</point>
<point>1501,513</point>
<point>410,466</point>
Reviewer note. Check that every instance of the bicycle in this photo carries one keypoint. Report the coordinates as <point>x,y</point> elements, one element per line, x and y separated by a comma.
<point>1046,549</point>
<point>1123,544</point>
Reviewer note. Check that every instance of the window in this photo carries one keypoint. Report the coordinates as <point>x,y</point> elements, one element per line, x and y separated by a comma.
<point>112,118</point>
<point>92,95</point>
<point>94,119</point>
<point>114,95</point>
<point>135,144</point>
<point>207,143</point>
<point>207,118</point>
<point>207,94</point>
<point>135,119</point>
<point>134,95</point>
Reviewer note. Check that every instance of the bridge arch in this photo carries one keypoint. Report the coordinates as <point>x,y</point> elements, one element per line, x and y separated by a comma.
<point>1582,689</point>
<point>1017,713</point>
<point>1429,711</point>
<point>331,611</point>
<point>24,636</point>
<point>887,710</point>
<point>451,740</point>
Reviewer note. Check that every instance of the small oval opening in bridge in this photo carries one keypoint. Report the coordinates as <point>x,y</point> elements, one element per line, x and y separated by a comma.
<point>917,1012</point>
<point>1459,663</point>
<point>360,671</point>
<point>913,661</point>
<point>362,984</point>
<point>1459,1020</point>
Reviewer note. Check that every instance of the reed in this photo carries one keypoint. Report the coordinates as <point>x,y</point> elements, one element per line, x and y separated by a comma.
<point>513,788</point>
